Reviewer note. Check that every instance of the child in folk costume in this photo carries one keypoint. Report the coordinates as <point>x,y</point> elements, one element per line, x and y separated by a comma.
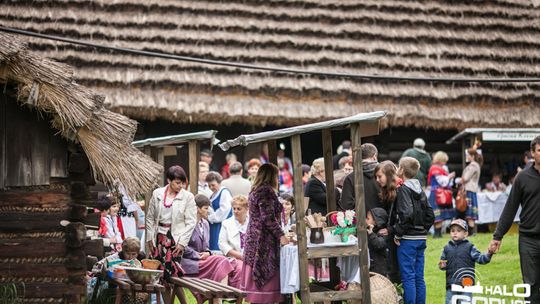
<point>109,223</point>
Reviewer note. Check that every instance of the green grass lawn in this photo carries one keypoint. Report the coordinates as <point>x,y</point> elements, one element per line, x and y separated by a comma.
<point>503,269</point>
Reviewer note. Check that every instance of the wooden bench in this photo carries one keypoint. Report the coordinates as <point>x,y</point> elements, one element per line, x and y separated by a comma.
<point>128,287</point>
<point>211,290</point>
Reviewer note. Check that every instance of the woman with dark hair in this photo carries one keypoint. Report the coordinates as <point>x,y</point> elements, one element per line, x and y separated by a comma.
<point>198,261</point>
<point>288,219</point>
<point>170,221</point>
<point>260,274</point>
<point>388,180</point>
<point>469,180</point>
<point>221,207</point>
<point>386,176</point>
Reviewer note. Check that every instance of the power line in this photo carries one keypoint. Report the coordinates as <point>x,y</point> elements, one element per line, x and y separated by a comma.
<point>270,69</point>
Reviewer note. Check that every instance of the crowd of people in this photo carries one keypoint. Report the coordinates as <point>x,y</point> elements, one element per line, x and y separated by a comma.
<point>232,230</point>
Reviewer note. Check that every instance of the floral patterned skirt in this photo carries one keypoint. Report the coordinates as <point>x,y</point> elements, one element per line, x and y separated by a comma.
<point>170,264</point>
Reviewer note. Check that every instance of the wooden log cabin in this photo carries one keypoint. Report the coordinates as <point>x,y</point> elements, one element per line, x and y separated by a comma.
<point>56,139</point>
<point>384,37</point>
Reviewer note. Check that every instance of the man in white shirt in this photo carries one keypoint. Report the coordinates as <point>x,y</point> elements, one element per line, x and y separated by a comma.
<point>203,185</point>
<point>236,183</point>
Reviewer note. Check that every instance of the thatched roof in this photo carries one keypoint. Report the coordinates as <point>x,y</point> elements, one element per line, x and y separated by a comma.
<point>399,38</point>
<point>79,115</point>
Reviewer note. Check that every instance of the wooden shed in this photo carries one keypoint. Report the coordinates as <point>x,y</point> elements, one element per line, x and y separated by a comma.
<point>55,140</point>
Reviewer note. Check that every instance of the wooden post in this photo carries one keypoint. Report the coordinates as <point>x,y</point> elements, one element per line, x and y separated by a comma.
<point>161,161</point>
<point>361,232</point>
<point>329,170</point>
<point>193,166</point>
<point>148,195</point>
<point>272,151</point>
<point>463,147</point>
<point>330,193</point>
<point>300,214</point>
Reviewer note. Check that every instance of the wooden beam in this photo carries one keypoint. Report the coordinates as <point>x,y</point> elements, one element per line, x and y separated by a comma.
<point>3,144</point>
<point>329,170</point>
<point>94,248</point>
<point>93,219</point>
<point>361,232</point>
<point>32,248</point>
<point>51,290</point>
<point>369,128</point>
<point>28,270</point>
<point>300,214</point>
<point>148,195</point>
<point>331,204</point>
<point>75,234</point>
<point>78,212</point>
<point>325,296</point>
<point>32,221</point>
<point>329,252</point>
<point>161,160</point>
<point>39,199</point>
<point>194,166</point>
<point>272,151</point>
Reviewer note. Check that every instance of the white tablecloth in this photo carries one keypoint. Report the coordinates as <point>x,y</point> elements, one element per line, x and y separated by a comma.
<point>289,270</point>
<point>490,207</point>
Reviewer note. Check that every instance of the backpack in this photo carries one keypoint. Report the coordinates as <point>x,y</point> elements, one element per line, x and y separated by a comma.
<point>423,215</point>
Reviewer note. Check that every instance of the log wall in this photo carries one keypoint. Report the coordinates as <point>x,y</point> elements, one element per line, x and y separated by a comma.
<point>43,181</point>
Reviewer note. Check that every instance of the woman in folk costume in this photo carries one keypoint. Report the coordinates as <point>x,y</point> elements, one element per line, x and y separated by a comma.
<point>198,261</point>
<point>232,236</point>
<point>469,180</point>
<point>260,274</point>
<point>128,211</point>
<point>171,218</point>
<point>439,178</point>
<point>220,209</point>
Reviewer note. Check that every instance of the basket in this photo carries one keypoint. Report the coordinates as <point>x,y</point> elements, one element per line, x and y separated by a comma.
<point>150,264</point>
<point>142,276</point>
<point>382,289</point>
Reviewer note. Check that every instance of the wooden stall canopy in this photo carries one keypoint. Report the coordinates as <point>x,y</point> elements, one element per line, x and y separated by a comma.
<point>497,134</point>
<point>244,140</point>
<point>173,140</point>
<point>364,124</point>
<point>468,136</point>
<point>166,145</point>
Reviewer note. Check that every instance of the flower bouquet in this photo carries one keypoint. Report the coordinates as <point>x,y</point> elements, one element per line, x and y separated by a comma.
<point>344,224</point>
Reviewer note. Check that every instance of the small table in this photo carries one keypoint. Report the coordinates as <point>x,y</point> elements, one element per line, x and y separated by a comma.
<point>290,272</point>
<point>128,287</point>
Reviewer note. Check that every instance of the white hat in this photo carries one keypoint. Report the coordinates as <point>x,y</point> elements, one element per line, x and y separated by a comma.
<point>419,143</point>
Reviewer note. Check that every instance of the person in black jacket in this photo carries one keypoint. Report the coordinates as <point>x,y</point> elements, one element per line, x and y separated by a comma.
<point>411,218</point>
<point>525,193</point>
<point>316,188</point>
<point>377,243</point>
<point>371,188</point>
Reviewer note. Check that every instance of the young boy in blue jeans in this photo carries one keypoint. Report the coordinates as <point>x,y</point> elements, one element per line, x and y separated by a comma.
<point>459,256</point>
<point>410,219</point>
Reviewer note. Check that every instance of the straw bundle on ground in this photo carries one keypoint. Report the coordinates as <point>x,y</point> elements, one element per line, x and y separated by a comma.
<point>79,115</point>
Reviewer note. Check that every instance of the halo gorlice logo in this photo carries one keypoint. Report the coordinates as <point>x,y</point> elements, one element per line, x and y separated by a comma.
<point>470,291</point>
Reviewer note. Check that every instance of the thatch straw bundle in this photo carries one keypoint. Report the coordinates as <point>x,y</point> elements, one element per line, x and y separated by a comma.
<point>79,116</point>
<point>57,92</point>
<point>119,160</point>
